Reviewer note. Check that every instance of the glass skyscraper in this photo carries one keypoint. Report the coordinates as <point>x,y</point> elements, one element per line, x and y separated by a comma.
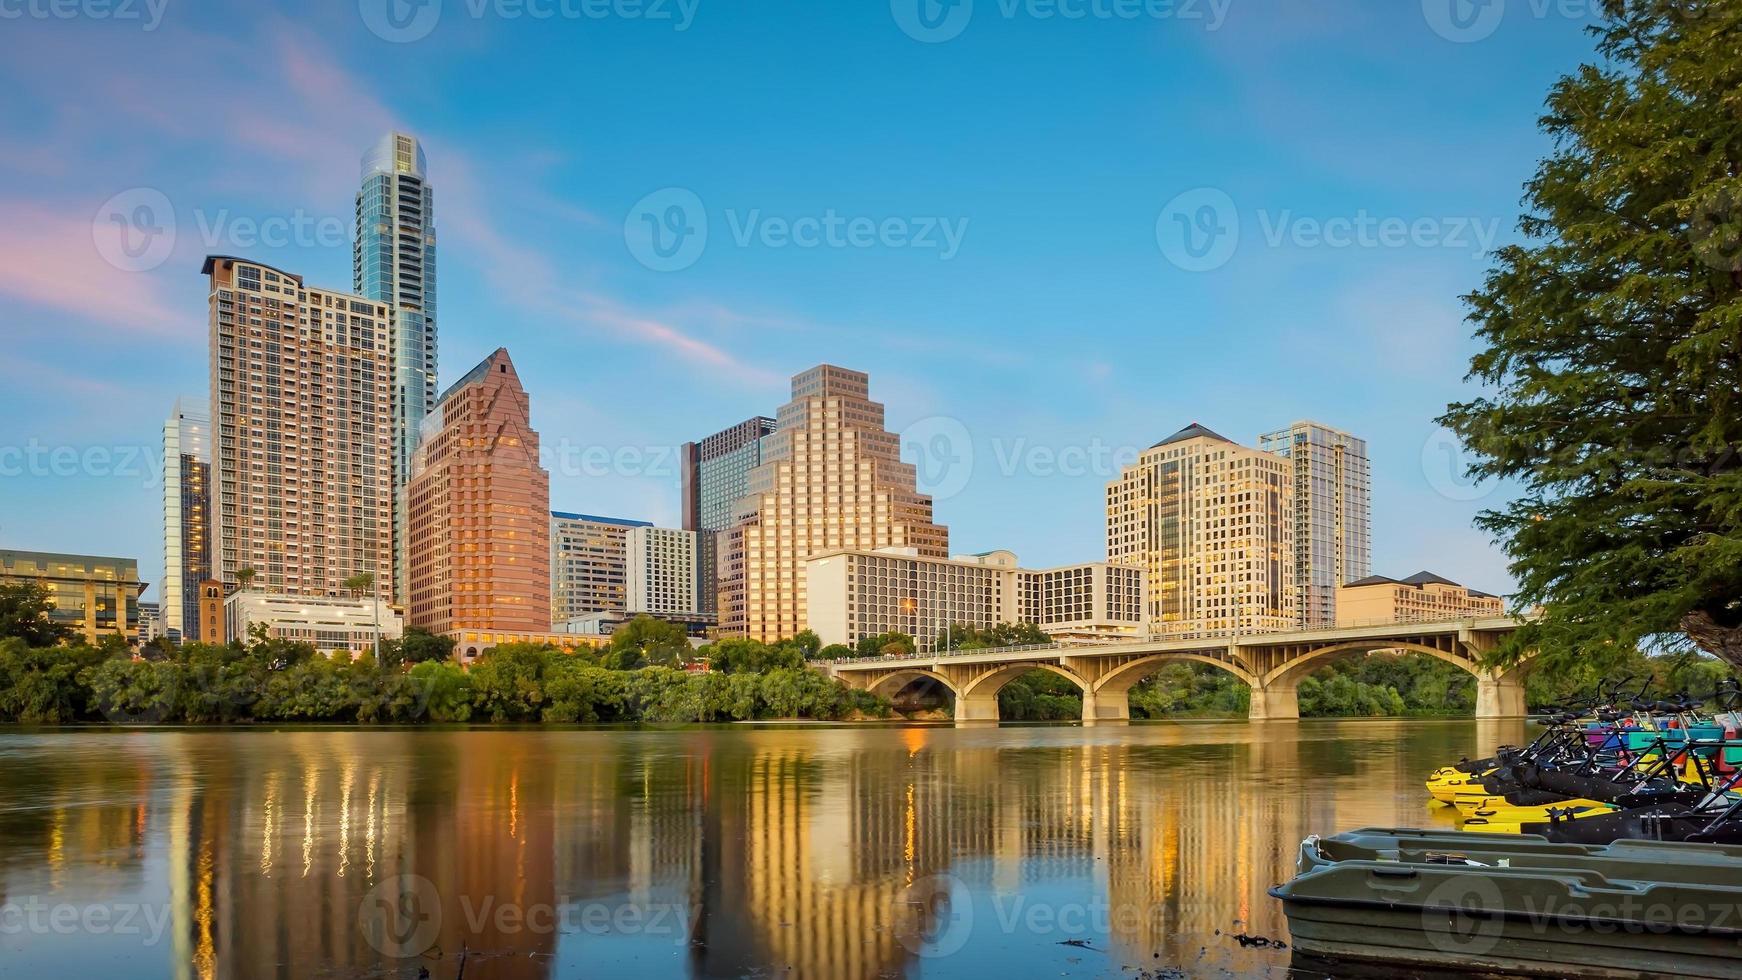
<point>716,472</point>
<point>187,516</point>
<point>394,262</point>
<point>1333,504</point>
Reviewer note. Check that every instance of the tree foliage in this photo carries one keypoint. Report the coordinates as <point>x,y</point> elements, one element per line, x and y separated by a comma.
<point>1613,348</point>
<point>24,615</point>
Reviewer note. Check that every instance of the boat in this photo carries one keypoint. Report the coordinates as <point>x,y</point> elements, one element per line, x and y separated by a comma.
<point>1518,903</point>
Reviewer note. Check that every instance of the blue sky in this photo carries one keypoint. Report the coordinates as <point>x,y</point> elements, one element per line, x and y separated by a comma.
<point>1000,203</point>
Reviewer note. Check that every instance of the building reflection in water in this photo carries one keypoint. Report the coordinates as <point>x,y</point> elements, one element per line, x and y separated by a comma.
<point>698,852</point>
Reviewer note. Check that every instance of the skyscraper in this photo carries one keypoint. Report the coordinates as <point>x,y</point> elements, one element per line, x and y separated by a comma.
<point>660,571</point>
<point>589,564</point>
<point>716,472</point>
<point>831,479</point>
<point>1211,522</point>
<point>1333,504</point>
<point>394,262</point>
<point>302,461</point>
<point>187,516</point>
<point>479,506</point>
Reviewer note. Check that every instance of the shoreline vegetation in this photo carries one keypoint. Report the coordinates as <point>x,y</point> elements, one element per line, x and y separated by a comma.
<point>48,677</point>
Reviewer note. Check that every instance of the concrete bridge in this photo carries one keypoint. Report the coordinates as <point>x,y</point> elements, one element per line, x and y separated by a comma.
<point>1271,664</point>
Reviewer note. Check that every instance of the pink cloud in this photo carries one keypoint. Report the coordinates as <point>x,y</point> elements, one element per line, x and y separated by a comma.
<point>51,260</point>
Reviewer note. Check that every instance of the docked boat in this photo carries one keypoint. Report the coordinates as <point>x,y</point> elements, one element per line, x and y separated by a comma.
<point>1518,903</point>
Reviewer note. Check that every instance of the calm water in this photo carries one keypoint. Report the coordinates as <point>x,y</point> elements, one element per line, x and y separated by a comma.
<point>732,851</point>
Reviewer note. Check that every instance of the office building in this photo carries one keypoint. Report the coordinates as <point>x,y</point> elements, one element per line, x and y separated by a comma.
<point>394,263</point>
<point>660,571</point>
<point>150,621</point>
<point>1211,524</point>
<point>589,564</point>
<point>1422,597</point>
<point>187,516</point>
<point>328,624</point>
<point>831,479</point>
<point>302,459</point>
<point>716,473</point>
<point>479,510</point>
<point>1333,505</point>
<point>855,594</point>
<point>93,596</point>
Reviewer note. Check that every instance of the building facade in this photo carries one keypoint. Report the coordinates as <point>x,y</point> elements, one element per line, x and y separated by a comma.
<point>855,594</point>
<point>478,510</point>
<point>660,571</point>
<point>302,452</point>
<point>1422,597</point>
<point>150,621</point>
<point>187,516</point>
<point>393,262</point>
<point>212,620</point>
<point>716,474</point>
<point>589,564</point>
<point>831,479</point>
<point>328,624</point>
<point>93,596</point>
<point>1211,524</point>
<point>1333,506</point>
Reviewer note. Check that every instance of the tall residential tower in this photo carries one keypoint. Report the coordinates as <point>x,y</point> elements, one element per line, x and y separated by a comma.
<point>187,516</point>
<point>1211,522</point>
<point>394,262</point>
<point>1333,504</point>
<point>831,479</point>
<point>302,453</point>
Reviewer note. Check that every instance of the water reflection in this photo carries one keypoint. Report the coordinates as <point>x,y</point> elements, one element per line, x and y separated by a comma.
<point>826,852</point>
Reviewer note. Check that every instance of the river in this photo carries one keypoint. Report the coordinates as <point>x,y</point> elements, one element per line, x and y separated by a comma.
<point>1139,850</point>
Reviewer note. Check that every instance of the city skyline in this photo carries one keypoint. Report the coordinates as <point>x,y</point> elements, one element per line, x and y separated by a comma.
<point>1367,338</point>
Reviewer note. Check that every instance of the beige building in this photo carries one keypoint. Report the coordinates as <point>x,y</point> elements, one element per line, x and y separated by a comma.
<point>1333,505</point>
<point>1422,597</point>
<point>660,571</point>
<point>589,564</point>
<point>302,447</point>
<point>92,596</point>
<point>478,510</point>
<point>855,594</point>
<point>1210,522</point>
<point>328,624</point>
<point>831,479</point>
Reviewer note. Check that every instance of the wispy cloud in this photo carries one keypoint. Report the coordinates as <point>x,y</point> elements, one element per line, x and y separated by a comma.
<point>49,259</point>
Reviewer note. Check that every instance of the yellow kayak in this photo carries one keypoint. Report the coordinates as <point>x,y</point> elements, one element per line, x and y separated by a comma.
<point>1497,810</point>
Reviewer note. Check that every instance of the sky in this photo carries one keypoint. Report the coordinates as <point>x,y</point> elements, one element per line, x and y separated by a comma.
<point>1052,231</point>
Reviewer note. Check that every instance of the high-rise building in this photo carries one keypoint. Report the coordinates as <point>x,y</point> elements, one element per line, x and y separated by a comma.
<point>187,516</point>
<point>393,262</point>
<point>831,479</point>
<point>589,564</point>
<point>302,454</point>
<point>1211,523</point>
<point>479,510</point>
<point>1333,505</point>
<point>92,596</point>
<point>716,472</point>
<point>660,571</point>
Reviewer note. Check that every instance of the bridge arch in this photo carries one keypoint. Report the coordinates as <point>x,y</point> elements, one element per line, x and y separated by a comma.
<point>978,698</point>
<point>1295,668</point>
<point>1499,691</point>
<point>889,685</point>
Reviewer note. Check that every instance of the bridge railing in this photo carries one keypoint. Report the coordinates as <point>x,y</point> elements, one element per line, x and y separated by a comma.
<point>935,654</point>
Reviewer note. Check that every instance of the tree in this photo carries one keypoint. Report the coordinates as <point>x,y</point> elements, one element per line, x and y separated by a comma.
<point>245,577</point>
<point>25,609</point>
<point>886,645</point>
<point>645,640</point>
<point>364,583</point>
<point>416,646</point>
<point>836,651</point>
<point>1613,355</point>
<point>807,642</point>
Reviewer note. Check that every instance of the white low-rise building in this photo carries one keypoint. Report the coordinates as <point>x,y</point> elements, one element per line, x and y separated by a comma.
<point>854,594</point>
<point>328,624</point>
